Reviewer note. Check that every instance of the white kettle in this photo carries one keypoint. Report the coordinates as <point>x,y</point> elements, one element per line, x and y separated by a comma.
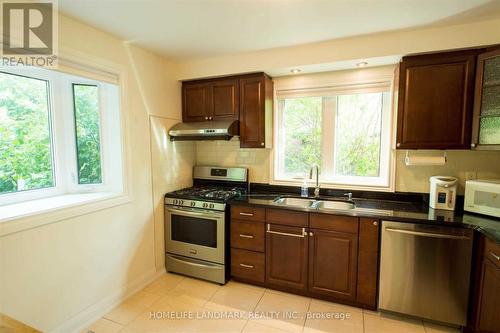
<point>443,192</point>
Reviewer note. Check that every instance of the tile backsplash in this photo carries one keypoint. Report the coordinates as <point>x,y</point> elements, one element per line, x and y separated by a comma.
<point>485,164</point>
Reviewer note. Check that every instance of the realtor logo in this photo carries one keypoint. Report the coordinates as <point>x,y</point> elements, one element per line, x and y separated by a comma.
<point>29,28</point>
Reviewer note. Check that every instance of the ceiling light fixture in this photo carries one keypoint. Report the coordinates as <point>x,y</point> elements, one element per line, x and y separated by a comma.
<point>362,64</point>
<point>295,70</point>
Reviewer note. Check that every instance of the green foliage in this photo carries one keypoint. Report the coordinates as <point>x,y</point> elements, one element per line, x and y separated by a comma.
<point>302,133</point>
<point>357,135</point>
<point>25,144</point>
<point>87,133</point>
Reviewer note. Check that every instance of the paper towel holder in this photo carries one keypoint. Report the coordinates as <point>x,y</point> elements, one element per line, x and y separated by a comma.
<point>444,159</point>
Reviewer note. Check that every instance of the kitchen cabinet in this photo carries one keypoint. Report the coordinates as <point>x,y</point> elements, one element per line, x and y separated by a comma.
<point>210,100</point>
<point>333,263</point>
<point>315,254</point>
<point>435,100</point>
<point>368,249</point>
<point>486,123</point>
<point>486,297</point>
<point>286,256</point>
<point>256,104</point>
<point>196,101</point>
<point>247,98</point>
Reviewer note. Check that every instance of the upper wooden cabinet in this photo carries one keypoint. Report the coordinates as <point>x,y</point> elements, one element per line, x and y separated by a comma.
<point>196,101</point>
<point>435,100</point>
<point>247,98</point>
<point>256,103</point>
<point>486,124</point>
<point>210,100</point>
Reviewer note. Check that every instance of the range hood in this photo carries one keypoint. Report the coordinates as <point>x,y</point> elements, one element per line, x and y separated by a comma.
<point>204,130</point>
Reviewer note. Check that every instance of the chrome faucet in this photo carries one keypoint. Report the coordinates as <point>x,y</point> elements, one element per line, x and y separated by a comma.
<point>316,188</point>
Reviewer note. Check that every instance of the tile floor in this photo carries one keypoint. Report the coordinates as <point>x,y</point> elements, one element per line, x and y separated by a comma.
<point>175,303</point>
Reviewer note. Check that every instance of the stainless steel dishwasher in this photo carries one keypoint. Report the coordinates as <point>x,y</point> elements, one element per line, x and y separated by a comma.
<point>425,271</point>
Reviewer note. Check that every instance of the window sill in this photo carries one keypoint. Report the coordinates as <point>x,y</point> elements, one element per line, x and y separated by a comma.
<point>32,214</point>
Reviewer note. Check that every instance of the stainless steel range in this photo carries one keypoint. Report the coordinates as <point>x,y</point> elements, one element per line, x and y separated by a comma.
<point>195,223</point>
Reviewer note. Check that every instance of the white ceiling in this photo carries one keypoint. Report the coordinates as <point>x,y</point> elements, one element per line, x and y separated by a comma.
<point>203,28</point>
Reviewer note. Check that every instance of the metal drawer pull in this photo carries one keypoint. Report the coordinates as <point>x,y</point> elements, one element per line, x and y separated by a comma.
<point>495,256</point>
<point>246,236</point>
<point>246,214</point>
<point>269,231</point>
<point>427,234</point>
<point>247,266</point>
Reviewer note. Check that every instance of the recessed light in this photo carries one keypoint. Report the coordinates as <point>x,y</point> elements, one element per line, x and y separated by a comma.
<point>362,64</point>
<point>295,70</point>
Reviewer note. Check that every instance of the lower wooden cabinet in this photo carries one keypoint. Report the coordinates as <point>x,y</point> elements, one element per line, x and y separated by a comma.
<point>486,298</point>
<point>333,263</point>
<point>320,255</point>
<point>286,256</point>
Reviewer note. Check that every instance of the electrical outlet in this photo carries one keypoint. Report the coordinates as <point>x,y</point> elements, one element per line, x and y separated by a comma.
<point>470,175</point>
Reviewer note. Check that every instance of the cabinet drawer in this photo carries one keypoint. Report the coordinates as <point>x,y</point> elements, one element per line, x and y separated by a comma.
<point>248,213</point>
<point>247,265</point>
<point>286,217</point>
<point>334,223</point>
<point>247,235</point>
<point>492,252</point>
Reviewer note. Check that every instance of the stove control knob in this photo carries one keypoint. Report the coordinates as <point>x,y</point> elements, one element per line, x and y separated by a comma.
<point>181,202</point>
<point>211,206</point>
<point>175,202</point>
<point>193,204</point>
<point>205,205</point>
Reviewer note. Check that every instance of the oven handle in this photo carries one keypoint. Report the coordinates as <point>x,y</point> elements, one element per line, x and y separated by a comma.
<point>193,263</point>
<point>195,212</point>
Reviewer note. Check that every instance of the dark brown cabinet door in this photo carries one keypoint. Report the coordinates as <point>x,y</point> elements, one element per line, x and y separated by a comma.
<point>333,263</point>
<point>196,101</point>
<point>225,99</point>
<point>286,257</point>
<point>435,103</point>
<point>489,303</point>
<point>368,246</point>
<point>255,98</point>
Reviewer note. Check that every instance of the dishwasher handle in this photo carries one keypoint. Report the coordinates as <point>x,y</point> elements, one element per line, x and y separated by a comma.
<point>427,234</point>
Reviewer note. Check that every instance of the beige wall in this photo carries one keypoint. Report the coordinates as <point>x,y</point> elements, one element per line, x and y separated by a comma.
<point>363,47</point>
<point>60,275</point>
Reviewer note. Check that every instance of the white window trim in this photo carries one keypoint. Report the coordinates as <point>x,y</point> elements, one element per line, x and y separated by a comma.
<point>312,86</point>
<point>82,64</point>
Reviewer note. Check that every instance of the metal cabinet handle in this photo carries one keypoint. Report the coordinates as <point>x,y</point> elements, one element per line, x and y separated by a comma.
<point>262,144</point>
<point>206,118</point>
<point>247,266</point>
<point>495,256</point>
<point>473,145</point>
<point>375,223</point>
<point>427,234</point>
<point>398,144</point>
<point>246,236</point>
<point>209,118</point>
<point>311,234</point>
<point>246,214</point>
<point>269,231</point>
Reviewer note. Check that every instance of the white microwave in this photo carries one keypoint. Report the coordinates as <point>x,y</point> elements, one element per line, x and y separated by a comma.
<point>483,197</point>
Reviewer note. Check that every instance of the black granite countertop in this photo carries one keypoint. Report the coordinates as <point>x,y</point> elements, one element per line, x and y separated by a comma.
<point>395,209</point>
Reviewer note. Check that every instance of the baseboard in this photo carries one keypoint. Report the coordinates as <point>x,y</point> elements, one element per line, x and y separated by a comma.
<point>97,310</point>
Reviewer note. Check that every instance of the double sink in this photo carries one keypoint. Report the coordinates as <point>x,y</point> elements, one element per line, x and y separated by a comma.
<point>315,203</point>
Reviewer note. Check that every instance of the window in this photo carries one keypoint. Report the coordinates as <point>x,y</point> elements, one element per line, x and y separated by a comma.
<point>344,130</point>
<point>58,135</point>
<point>25,134</point>
<point>88,138</point>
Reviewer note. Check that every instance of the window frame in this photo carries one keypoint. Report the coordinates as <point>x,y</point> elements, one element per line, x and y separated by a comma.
<point>310,88</point>
<point>63,136</point>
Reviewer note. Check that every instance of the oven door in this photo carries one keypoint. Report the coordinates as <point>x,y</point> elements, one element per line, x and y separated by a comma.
<point>195,233</point>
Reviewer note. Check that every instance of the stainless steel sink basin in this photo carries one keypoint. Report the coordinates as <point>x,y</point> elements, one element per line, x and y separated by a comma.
<point>334,205</point>
<point>296,202</point>
<point>315,204</point>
